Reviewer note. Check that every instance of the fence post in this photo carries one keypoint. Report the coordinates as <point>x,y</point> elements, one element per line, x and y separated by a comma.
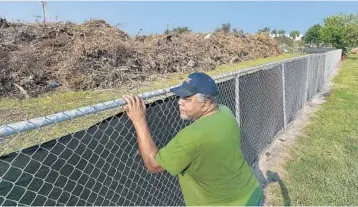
<point>306,84</point>
<point>237,99</point>
<point>326,68</point>
<point>319,65</point>
<point>284,96</point>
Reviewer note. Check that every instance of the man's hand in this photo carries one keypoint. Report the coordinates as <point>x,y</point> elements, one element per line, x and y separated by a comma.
<point>136,111</point>
<point>135,108</point>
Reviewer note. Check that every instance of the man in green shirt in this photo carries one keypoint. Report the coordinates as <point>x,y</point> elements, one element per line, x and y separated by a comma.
<point>206,155</point>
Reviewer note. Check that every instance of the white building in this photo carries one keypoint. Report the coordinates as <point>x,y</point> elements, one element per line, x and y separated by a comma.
<point>288,35</point>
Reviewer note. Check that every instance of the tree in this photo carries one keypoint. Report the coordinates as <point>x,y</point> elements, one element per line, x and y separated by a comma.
<point>313,35</point>
<point>226,28</point>
<point>283,40</point>
<point>274,32</point>
<point>281,32</point>
<point>294,34</point>
<point>181,30</point>
<point>340,31</point>
<point>264,30</point>
<point>352,35</point>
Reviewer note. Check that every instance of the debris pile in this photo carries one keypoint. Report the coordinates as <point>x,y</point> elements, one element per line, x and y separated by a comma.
<point>36,58</point>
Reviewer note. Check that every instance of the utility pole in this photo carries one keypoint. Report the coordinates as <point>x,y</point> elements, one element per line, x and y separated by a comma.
<point>44,10</point>
<point>167,29</point>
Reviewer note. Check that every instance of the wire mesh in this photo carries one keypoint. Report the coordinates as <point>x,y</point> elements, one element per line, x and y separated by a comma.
<point>261,109</point>
<point>295,86</point>
<point>333,59</point>
<point>96,166</point>
<point>227,93</point>
<point>312,76</point>
<point>321,72</point>
<point>94,160</point>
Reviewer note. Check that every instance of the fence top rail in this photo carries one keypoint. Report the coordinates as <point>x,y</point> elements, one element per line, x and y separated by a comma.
<point>22,126</point>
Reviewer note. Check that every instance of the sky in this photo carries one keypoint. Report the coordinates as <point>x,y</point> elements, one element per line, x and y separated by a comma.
<point>199,16</point>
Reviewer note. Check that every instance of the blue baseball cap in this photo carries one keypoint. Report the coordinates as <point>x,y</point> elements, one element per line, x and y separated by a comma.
<point>197,82</point>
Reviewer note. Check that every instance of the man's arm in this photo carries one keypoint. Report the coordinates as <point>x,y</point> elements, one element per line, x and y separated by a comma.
<point>147,147</point>
<point>136,111</point>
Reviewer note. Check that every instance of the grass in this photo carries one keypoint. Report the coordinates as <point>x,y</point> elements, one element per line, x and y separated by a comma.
<point>12,110</point>
<point>323,168</point>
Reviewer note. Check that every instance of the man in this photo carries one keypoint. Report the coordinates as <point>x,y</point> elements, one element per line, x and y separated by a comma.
<point>206,155</point>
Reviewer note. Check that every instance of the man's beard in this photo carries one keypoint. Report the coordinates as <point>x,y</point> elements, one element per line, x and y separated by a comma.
<point>185,117</point>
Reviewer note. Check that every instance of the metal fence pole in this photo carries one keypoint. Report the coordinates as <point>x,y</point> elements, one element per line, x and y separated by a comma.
<point>284,96</point>
<point>319,65</point>
<point>306,85</point>
<point>237,99</point>
<point>326,65</point>
<point>324,70</point>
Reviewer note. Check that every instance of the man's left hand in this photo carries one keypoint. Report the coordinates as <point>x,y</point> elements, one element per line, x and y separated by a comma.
<point>135,108</point>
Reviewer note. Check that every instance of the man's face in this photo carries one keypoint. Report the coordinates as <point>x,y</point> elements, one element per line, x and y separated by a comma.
<point>191,108</point>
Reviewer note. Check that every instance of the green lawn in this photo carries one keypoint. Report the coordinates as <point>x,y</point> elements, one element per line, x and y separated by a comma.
<point>12,110</point>
<point>323,168</point>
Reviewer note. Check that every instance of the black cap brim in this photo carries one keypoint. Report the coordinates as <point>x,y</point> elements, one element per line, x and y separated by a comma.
<point>181,92</point>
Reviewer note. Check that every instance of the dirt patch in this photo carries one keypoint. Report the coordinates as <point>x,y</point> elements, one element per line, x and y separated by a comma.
<point>95,55</point>
<point>270,170</point>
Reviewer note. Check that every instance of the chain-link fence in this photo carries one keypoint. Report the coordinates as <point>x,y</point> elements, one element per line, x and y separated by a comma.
<point>100,164</point>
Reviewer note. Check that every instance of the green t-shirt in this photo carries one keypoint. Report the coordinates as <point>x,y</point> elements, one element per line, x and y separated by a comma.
<point>207,158</point>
